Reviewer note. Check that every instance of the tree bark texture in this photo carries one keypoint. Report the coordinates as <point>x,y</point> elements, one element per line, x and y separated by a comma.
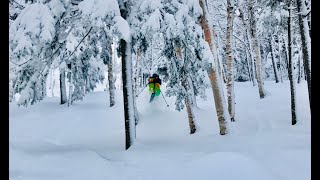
<point>280,59</point>
<point>111,79</point>
<point>129,128</point>
<point>299,70</point>
<point>273,62</point>
<point>306,45</point>
<point>213,74</point>
<point>230,64</point>
<point>290,70</point>
<point>256,48</point>
<point>189,106</point>
<point>63,91</point>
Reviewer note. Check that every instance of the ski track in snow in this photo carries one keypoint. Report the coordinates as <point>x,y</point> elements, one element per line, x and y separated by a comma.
<point>86,141</point>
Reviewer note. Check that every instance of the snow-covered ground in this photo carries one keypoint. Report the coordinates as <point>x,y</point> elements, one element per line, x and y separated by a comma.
<point>86,141</point>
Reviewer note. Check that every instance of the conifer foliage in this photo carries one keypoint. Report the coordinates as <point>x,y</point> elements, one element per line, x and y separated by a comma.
<point>194,45</point>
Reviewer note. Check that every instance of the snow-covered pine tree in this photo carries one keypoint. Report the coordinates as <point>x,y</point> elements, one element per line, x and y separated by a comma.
<point>85,66</point>
<point>113,19</point>
<point>186,55</point>
<point>61,10</point>
<point>15,8</point>
<point>270,20</point>
<point>30,38</point>
<point>242,66</point>
<point>144,21</point>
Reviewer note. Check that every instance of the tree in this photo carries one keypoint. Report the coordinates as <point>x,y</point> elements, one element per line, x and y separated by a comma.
<point>305,42</point>
<point>249,50</point>
<point>230,67</point>
<point>183,50</point>
<point>256,46</point>
<point>213,74</point>
<point>274,65</point>
<point>290,67</point>
<point>125,52</point>
<point>63,91</point>
<point>29,40</point>
<point>107,59</point>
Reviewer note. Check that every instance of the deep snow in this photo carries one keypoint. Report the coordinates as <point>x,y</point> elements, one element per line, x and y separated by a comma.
<point>86,141</point>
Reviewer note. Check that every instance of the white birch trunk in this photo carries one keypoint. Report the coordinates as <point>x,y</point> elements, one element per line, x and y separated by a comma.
<point>248,38</point>
<point>253,71</point>
<point>280,62</point>
<point>111,80</point>
<point>256,46</point>
<point>70,88</point>
<point>214,77</point>
<point>230,63</point>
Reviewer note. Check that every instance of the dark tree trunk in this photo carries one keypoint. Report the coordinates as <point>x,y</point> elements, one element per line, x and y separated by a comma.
<point>299,71</point>
<point>123,47</point>
<point>290,71</point>
<point>305,53</point>
<point>63,92</point>
<point>128,99</point>
<point>273,63</point>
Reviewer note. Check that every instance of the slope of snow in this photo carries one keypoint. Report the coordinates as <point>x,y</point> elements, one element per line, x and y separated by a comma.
<point>86,141</point>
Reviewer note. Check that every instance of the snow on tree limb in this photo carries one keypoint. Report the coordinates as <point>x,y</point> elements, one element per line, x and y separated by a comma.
<point>99,8</point>
<point>121,28</point>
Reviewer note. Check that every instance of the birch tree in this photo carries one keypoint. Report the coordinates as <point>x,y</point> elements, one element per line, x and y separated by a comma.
<point>30,36</point>
<point>244,16</point>
<point>213,73</point>
<point>230,64</point>
<point>256,46</point>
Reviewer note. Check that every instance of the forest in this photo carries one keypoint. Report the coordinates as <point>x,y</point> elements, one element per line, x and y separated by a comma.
<point>216,58</point>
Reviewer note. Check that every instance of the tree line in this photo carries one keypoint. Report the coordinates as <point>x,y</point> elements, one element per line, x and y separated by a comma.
<point>192,44</point>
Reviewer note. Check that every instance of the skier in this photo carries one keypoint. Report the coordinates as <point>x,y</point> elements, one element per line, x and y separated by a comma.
<point>154,86</point>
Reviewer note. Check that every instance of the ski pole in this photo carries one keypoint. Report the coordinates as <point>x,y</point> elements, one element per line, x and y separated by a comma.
<point>164,99</point>
<point>141,90</point>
